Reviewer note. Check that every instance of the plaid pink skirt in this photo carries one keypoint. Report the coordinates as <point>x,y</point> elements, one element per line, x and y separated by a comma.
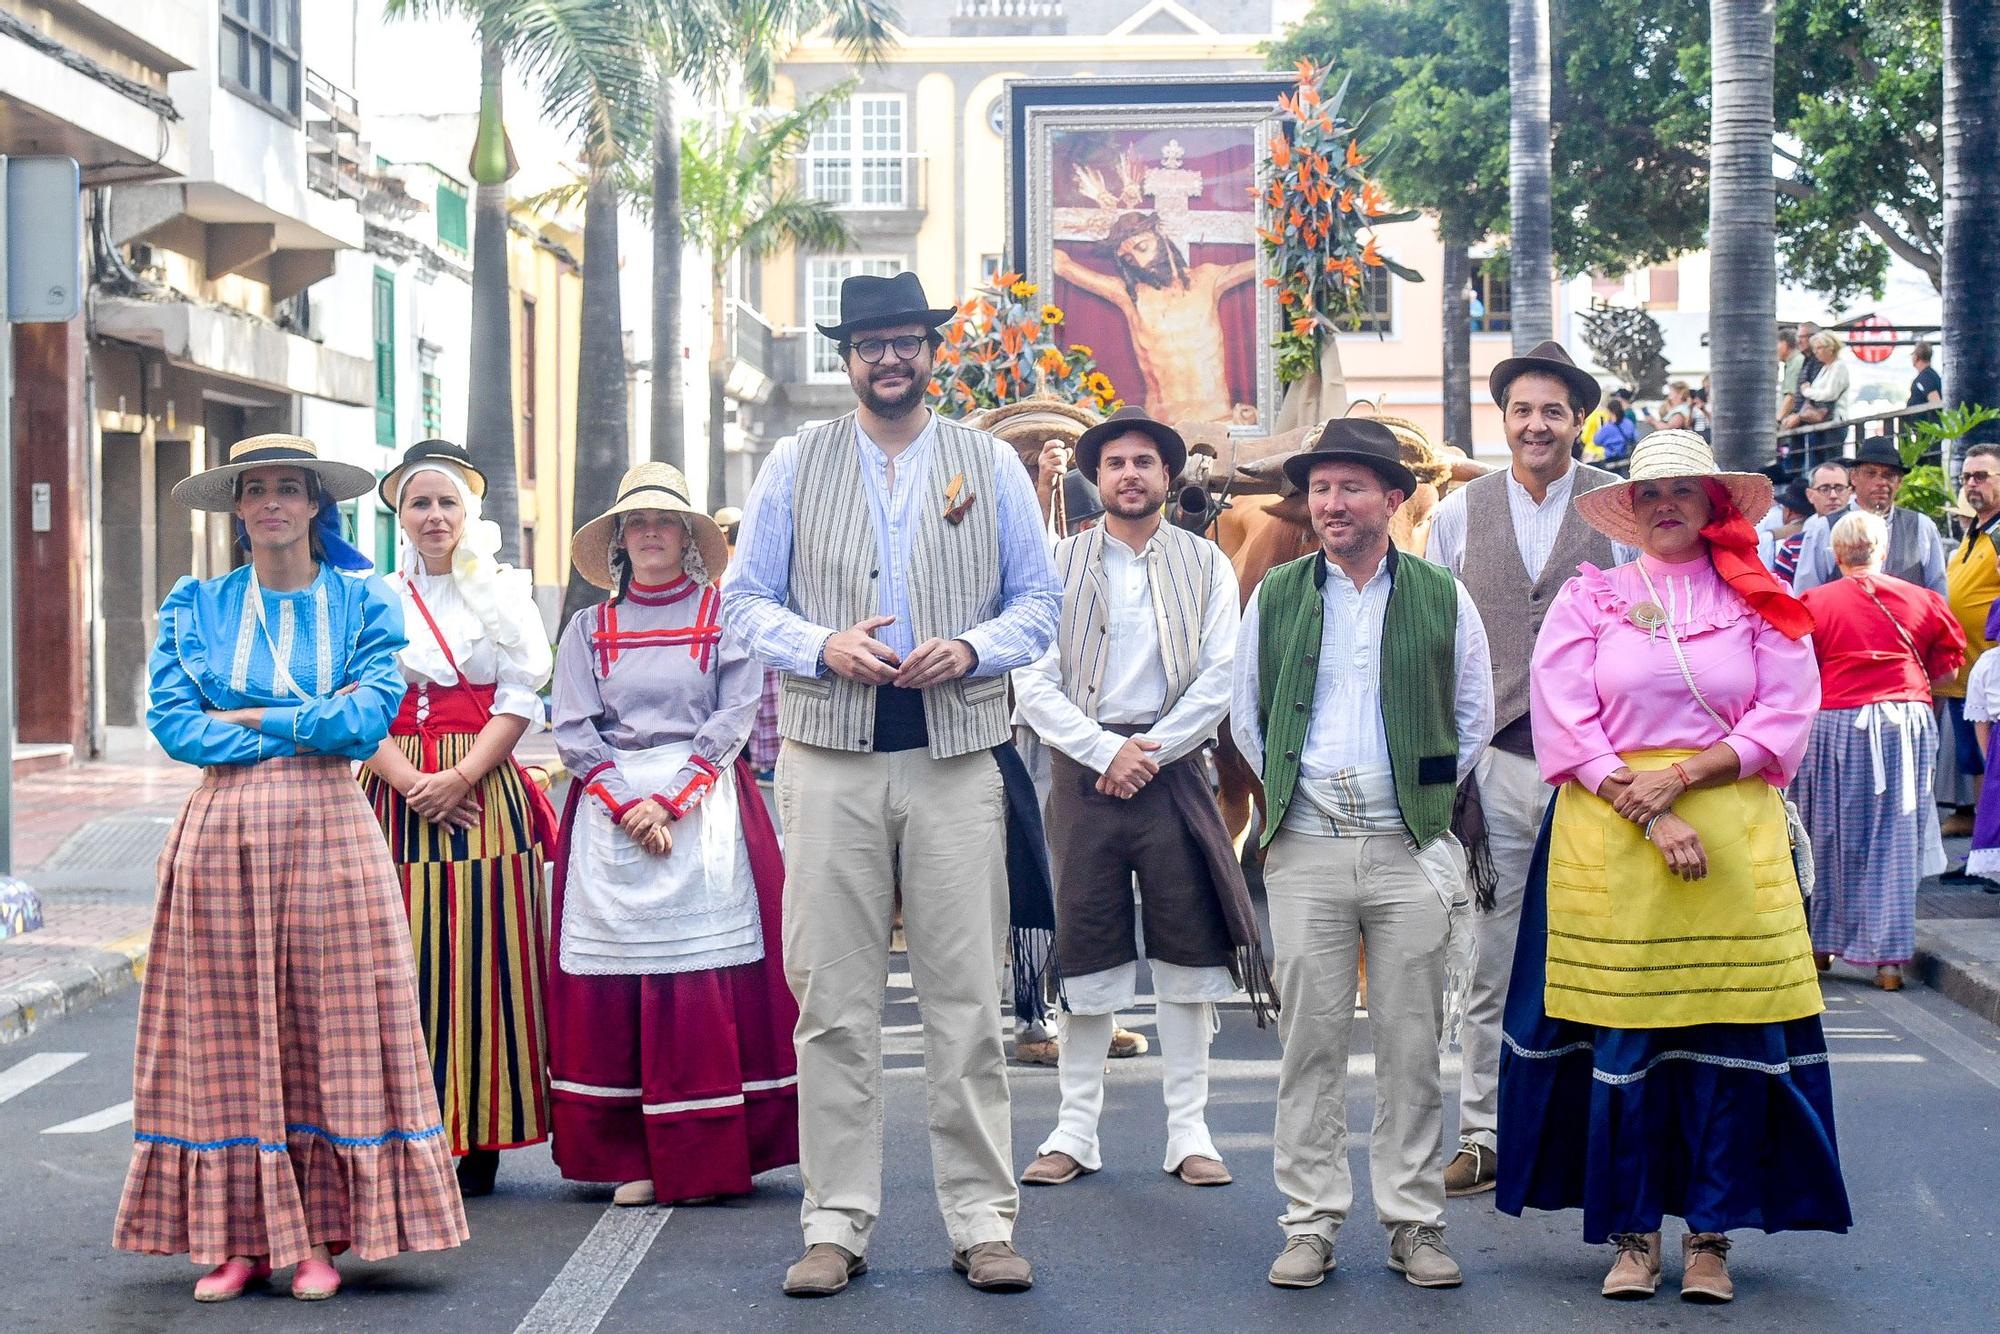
<point>281,1095</point>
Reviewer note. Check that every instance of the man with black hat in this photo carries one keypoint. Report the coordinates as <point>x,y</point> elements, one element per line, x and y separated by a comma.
<point>1363,693</point>
<point>1515,539</point>
<point>1916,551</point>
<point>1133,688</point>
<point>892,566</point>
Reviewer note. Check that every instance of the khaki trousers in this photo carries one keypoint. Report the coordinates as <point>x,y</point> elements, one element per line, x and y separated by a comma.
<point>852,821</point>
<point>1515,798</point>
<point>1327,895</point>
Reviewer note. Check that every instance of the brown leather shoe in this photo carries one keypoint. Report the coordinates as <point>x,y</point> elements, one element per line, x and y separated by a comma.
<point>1124,1043</point>
<point>1198,1170</point>
<point>1636,1271</point>
<point>1037,1051</point>
<point>1473,1170</point>
<point>1053,1169</point>
<point>994,1266</point>
<point>1959,823</point>
<point>1889,977</point>
<point>1705,1268</point>
<point>1822,961</point>
<point>823,1270</point>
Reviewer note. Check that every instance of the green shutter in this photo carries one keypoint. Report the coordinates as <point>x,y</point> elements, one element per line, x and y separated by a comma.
<point>451,216</point>
<point>385,357</point>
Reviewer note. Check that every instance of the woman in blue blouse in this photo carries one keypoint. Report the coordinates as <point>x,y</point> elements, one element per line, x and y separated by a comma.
<point>282,1102</point>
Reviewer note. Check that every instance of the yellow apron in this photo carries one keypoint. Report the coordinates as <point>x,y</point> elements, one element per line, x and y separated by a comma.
<point>1631,945</point>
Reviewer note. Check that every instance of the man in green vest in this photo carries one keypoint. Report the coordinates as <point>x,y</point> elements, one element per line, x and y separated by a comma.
<point>1363,694</point>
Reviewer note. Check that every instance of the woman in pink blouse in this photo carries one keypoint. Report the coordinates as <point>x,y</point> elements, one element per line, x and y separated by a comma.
<point>1663,1049</point>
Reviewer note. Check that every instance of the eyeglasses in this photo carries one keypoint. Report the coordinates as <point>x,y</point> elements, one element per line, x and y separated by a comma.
<point>906,345</point>
<point>1980,476</point>
<point>1830,488</point>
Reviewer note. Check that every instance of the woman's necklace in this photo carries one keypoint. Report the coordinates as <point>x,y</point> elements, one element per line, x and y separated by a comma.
<point>1649,615</point>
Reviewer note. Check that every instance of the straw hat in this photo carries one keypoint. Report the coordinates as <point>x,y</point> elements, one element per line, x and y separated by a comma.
<point>649,486</point>
<point>1419,455</point>
<point>1664,456</point>
<point>215,489</point>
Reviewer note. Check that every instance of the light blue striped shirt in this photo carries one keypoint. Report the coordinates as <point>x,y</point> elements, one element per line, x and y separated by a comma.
<point>1011,632</point>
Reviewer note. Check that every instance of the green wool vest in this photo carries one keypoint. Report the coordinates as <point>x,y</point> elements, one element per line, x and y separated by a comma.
<point>1419,686</point>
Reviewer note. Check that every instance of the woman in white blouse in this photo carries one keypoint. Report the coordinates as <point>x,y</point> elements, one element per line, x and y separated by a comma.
<point>467,829</point>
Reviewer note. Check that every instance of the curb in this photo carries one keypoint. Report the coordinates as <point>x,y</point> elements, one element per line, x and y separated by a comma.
<point>1957,975</point>
<point>73,984</point>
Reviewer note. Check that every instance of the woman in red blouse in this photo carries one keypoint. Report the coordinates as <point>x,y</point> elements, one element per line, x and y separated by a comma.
<point>1865,787</point>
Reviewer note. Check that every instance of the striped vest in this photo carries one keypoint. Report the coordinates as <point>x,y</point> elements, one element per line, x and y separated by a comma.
<point>1178,575</point>
<point>1419,685</point>
<point>954,577</point>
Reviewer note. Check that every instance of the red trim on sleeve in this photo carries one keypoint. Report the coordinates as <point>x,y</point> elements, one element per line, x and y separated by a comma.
<point>690,796</point>
<point>611,804</point>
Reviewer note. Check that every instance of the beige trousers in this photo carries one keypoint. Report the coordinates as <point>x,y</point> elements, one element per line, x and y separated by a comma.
<point>852,820</point>
<point>1327,895</point>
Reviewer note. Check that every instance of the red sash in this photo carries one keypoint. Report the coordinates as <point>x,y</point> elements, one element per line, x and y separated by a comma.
<point>434,712</point>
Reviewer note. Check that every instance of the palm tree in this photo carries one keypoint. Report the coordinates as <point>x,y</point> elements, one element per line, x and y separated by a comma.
<point>1971,200</point>
<point>1742,232</point>
<point>708,42</point>
<point>1457,238</point>
<point>739,196</point>
<point>1528,169</point>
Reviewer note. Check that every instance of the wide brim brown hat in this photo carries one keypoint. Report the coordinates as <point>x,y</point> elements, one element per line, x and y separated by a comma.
<point>1354,440</point>
<point>1666,456</point>
<point>215,489</point>
<point>649,486</point>
<point>1090,447</point>
<point>1549,358</point>
<point>391,484</point>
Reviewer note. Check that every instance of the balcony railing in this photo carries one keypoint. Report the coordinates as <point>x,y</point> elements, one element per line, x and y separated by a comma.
<point>335,155</point>
<point>752,353</point>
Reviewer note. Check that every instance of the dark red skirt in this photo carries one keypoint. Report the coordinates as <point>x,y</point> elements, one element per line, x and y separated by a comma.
<point>685,1079</point>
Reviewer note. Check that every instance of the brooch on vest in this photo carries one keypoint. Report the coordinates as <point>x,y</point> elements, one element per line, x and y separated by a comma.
<point>954,508</point>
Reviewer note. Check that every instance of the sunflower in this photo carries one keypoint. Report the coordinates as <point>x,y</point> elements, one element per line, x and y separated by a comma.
<point>1023,290</point>
<point>1052,315</point>
<point>1099,384</point>
<point>1079,350</point>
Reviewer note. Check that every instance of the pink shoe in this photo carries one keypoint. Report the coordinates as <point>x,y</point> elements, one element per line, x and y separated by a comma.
<point>227,1280</point>
<point>315,1280</point>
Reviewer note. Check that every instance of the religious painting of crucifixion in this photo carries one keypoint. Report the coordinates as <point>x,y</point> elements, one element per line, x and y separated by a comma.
<point>1140,222</point>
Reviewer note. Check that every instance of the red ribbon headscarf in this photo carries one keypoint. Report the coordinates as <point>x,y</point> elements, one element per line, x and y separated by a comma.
<point>1732,545</point>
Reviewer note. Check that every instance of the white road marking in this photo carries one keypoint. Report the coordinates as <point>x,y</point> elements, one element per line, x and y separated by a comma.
<point>23,1075</point>
<point>1878,1058</point>
<point>1942,1037</point>
<point>577,1301</point>
<point>96,1121</point>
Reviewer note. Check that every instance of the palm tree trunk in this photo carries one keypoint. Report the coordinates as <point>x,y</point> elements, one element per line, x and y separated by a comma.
<point>1971,201</point>
<point>1457,331</point>
<point>489,414</point>
<point>669,387</point>
<point>1528,173</point>
<point>718,378</point>
<point>1742,223</point>
<point>603,443</point>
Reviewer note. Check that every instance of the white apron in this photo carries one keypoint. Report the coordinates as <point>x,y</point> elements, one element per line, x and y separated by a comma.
<point>628,910</point>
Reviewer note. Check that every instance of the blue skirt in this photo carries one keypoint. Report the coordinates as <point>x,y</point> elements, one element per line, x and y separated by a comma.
<point>1727,1126</point>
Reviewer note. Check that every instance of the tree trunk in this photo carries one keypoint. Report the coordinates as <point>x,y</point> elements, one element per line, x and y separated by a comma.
<point>718,377</point>
<point>603,444</point>
<point>669,443</point>
<point>489,414</point>
<point>1971,201</point>
<point>1457,332</point>
<point>1742,235</point>
<point>1528,173</point>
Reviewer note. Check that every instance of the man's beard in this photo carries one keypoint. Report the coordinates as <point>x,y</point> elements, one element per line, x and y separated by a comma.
<point>1358,539</point>
<point>894,404</point>
<point>1126,507</point>
<point>1160,273</point>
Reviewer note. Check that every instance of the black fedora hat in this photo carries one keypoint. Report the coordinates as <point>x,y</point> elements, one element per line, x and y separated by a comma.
<point>1879,449</point>
<point>1090,445</point>
<point>1081,501</point>
<point>459,455</point>
<point>1547,359</point>
<point>1355,440</point>
<point>870,302</point>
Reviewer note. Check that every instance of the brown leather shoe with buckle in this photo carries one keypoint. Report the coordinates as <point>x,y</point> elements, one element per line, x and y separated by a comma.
<point>1199,1170</point>
<point>994,1266</point>
<point>823,1270</point>
<point>1053,1169</point>
<point>1635,1273</point>
<point>1473,1170</point>
<point>1705,1268</point>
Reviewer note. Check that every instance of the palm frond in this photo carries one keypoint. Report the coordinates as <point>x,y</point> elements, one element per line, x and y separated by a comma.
<point>794,218</point>
<point>590,58</point>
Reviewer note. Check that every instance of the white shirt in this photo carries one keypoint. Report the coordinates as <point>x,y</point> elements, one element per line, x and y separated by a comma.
<point>1347,732</point>
<point>1135,674</point>
<point>516,668</point>
<point>1536,526</point>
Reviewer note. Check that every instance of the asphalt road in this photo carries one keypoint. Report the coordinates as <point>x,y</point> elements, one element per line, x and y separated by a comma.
<point>1918,1090</point>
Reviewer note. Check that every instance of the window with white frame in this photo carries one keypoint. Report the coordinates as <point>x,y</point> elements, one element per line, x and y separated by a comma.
<point>858,156</point>
<point>824,275</point>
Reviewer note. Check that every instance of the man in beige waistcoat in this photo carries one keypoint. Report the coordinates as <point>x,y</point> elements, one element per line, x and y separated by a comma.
<point>892,566</point>
<point>1513,538</point>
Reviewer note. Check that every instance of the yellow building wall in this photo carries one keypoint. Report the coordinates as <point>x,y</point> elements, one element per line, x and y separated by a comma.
<point>556,286</point>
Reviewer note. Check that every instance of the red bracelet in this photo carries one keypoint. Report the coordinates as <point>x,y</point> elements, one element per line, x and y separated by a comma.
<point>1682,774</point>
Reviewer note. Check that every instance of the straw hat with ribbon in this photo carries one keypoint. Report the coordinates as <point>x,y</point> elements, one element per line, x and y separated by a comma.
<point>649,486</point>
<point>215,489</point>
<point>1664,456</point>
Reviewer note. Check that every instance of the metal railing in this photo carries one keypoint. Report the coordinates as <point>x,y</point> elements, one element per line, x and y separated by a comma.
<point>1809,446</point>
<point>335,155</point>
